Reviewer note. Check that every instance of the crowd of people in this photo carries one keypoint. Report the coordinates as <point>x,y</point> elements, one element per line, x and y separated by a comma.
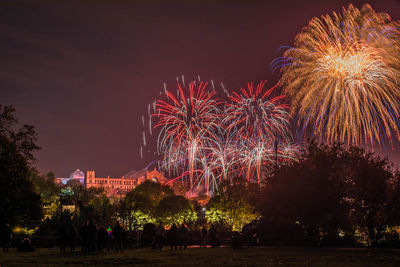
<point>92,237</point>
<point>107,238</point>
<point>174,237</point>
<point>179,237</point>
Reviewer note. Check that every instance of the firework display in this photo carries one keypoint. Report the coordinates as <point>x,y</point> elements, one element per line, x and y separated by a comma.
<point>258,121</point>
<point>256,116</point>
<point>342,77</point>
<point>204,140</point>
<point>188,120</point>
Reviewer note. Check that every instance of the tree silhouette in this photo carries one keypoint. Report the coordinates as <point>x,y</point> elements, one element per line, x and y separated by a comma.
<point>332,191</point>
<point>19,203</point>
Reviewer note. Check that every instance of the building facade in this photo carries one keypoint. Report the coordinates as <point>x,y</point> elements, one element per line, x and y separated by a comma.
<point>118,185</point>
<point>76,175</point>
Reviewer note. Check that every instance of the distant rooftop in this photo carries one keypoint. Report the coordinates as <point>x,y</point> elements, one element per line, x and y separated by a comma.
<point>77,174</point>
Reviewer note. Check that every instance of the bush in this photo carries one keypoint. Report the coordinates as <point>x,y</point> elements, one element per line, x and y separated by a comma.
<point>278,233</point>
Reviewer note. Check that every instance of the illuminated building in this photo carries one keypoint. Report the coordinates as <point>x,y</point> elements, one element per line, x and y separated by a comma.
<point>113,186</point>
<point>76,175</point>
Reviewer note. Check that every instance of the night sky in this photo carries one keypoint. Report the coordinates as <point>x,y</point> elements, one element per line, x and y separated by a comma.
<point>84,73</point>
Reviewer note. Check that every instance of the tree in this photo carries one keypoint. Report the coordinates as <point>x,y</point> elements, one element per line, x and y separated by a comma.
<point>46,186</point>
<point>19,203</point>
<point>24,138</point>
<point>331,191</point>
<point>138,207</point>
<point>102,208</point>
<point>309,193</point>
<point>48,190</point>
<point>74,183</point>
<point>82,195</point>
<point>373,193</point>
<point>91,203</point>
<point>176,209</point>
<point>136,210</point>
<point>233,204</point>
<point>154,191</point>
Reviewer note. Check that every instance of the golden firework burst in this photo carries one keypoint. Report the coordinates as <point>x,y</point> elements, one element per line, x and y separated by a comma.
<point>343,77</point>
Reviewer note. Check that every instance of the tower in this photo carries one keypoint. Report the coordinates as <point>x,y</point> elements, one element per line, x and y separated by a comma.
<point>89,175</point>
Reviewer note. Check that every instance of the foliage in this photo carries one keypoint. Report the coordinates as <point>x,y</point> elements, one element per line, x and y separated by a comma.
<point>24,231</point>
<point>66,191</point>
<point>233,205</point>
<point>19,203</point>
<point>46,186</point>
<point>49,192</point>
<point>307,192</point>
<point>74,183</point>
<point>176,209</point>
<point>333,189</point>
<point>102,209</point>
<point>154,191</point>
<point>24,139</point>
<point>136,210</point>
<point>91,204</point>
<point>373,193</point>
<point>82,195</point>
<point>139,205</point>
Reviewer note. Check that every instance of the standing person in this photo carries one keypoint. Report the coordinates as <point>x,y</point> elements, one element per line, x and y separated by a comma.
<point>183,233</point>
<point>5,235</point>
<point>84,236</point>
<point>109,243</point>
<point>159,236</point>
<point>118,233</point>
<point>135,236</point>
<point>73,236</point>
<point>92,234</point>
<point>213,236</point>
<point>102,237</point>
<point>63,235</point>
<point>173,236</point>
<point>203,234</point>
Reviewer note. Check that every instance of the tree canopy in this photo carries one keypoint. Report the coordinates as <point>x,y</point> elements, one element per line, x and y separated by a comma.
<point>234,204</point>
<point>19,203</point>
<point>331,191</point>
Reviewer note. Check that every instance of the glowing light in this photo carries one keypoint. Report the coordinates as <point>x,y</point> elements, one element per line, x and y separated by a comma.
<point>257,119</point>
<point>187,122</point>
<point>204,140</point>
<point>342,77</point>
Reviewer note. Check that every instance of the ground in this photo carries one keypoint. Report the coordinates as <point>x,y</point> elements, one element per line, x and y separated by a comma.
<point>252,256</point>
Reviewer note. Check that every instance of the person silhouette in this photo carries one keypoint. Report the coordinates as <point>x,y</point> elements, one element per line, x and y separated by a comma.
<point>173,236</point>
<point>203,234</point>
<point>118,232</point>
<point>6,236</point>
<point>159,236</point>
<point>183,236</point>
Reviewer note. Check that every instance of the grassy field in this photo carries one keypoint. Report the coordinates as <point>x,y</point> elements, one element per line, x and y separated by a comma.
<point>257,256</point>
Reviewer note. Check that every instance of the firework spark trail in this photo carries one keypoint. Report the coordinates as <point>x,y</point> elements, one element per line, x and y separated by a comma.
<point>288,152</point>
<point>342,77</point>
<point>258,157</point>
<point>254,114</point>
<point>258,120</point>
<point>204,145</point>
<point>186,122</point>
<point>222,154</point>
